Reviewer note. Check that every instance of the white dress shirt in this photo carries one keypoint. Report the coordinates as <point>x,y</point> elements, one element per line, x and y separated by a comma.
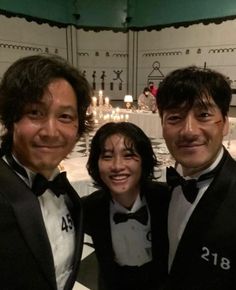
<point>131,240</point>
<point>180,209</point>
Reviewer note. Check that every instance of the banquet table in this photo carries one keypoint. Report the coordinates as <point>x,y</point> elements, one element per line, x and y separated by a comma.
<point>149,122</point>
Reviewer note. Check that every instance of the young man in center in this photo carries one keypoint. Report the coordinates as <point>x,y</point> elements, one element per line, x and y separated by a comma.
<point>126,217</point>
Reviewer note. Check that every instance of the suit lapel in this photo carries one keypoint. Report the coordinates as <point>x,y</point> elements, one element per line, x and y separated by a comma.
<point>205,212</point>
<point>29,218</point>
<point>158,197</point>
<point>103,228</point>
<point>74,204</point>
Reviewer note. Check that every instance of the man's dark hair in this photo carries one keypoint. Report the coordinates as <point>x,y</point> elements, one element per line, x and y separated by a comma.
<point>25,82</point>
<point>187,86</point>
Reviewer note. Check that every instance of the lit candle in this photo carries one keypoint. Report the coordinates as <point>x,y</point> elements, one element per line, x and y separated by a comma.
<point>126,117</point>
<point>100,100</point>
<point>94,101</point>
<point>106,101</point>
<point>100,93</point>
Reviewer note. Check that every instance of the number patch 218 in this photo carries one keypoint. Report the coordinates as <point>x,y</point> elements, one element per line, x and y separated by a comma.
<point>215,259</point>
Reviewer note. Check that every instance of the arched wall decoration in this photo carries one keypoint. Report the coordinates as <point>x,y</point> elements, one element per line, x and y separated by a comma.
<point>107,54</point>
<point>122,27</point>
<point>20,47</point>
<point>83,53</point>
<point>163,53</point>
<point>222,50</point>
<point>120,54</point>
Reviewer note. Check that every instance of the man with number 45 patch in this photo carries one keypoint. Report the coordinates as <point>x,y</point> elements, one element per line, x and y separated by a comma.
<point>43,102</point>
<point>193,104</point>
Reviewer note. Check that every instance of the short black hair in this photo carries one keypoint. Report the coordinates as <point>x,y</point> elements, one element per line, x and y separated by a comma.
<point>25,81</point>
<point>192,84</point>
<point>134,136</point>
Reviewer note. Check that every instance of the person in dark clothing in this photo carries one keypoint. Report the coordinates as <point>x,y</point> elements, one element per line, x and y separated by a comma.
<point>125,216</point>
<point>43,102</point>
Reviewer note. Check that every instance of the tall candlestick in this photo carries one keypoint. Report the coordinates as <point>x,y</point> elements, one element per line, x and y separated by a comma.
<point>100,100</point>
<point>94,101</point>
<point>107,101</point>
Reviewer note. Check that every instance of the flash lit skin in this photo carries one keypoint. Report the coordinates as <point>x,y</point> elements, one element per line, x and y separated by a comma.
<point>194,137</point>
<point>48,130</point>
<point>120,169</point>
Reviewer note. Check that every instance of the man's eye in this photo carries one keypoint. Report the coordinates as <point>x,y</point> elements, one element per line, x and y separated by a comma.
<point>66,117</point>
<point>173,118</point>
<point>204,115</point>
<point>35,113</point>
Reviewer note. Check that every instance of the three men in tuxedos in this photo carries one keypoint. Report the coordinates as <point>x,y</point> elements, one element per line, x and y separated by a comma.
<point>193,104</point>
<point>126,216</point>
<point>43,103</point>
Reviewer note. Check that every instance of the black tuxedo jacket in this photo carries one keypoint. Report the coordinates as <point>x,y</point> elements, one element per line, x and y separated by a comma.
<point>97,225</point>
<point>206,256</point>
<point>26,260</point>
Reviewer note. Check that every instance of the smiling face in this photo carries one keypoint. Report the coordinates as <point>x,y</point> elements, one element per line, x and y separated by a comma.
<point>48,130</point>
<point>194,137</point>
<point>120,169</point>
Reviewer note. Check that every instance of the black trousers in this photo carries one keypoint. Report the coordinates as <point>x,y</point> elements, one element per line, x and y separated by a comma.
<point>130,278</point>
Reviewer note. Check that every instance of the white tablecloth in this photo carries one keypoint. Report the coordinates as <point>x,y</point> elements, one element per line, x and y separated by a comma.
<point>149,122</point>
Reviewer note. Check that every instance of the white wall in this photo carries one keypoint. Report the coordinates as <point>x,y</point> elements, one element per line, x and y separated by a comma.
<point>151,55</point>
<point>212,45</point>
<point>19,38</point>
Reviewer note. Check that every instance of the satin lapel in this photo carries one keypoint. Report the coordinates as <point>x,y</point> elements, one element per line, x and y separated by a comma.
<point>206,209</point>
<point>103,228</point>
<point>29,218</point>
<point>158,197</point>
<point>74,205</point>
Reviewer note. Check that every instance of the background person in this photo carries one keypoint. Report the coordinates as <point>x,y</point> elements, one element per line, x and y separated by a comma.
<point>193,104</point>
<point>153,89</point>
<point>146,101</point>
<point>43,102</point>
<point>129,254</point>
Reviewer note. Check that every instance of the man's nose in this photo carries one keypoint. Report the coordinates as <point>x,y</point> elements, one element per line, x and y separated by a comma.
<point>190,124</point>
<point>49,127</point>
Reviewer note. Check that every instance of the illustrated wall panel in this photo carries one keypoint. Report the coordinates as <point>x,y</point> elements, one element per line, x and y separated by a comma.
<point>212,46</point>
<point>102,56</point>
<point>19,38</point>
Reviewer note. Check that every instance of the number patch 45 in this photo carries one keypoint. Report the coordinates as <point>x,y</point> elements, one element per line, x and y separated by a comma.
<point>67,223</point>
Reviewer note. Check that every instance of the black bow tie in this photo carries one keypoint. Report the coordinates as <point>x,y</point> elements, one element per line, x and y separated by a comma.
<point>140,215</point>
<point>189,186</point>
<point>40,183</point>
<point>57,185</point>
